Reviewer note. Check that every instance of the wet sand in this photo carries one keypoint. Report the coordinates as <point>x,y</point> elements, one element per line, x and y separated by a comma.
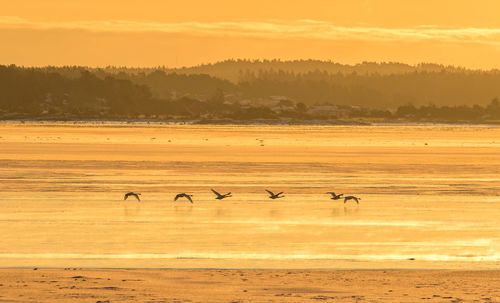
<point>45,285</point>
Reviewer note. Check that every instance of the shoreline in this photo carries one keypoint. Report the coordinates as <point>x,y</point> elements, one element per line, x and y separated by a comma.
<point>91,262</point>
<point>238,123</point>
<point>250,269</point>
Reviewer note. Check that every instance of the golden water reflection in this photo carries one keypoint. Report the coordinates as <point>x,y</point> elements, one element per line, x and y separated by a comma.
<point>423,206</point>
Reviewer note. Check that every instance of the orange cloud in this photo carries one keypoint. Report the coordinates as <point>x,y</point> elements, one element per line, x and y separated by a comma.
<point>300,29</point>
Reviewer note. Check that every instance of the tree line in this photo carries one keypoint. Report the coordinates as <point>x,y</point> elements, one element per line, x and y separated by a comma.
<point>449,94</point>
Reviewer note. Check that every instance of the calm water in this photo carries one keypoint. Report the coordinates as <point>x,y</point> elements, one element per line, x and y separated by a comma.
<point>430,196</point>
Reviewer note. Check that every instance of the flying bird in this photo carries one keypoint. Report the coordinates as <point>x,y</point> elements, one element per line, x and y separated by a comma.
<point>334,196</point>
<point>347,198</point>
<point>133,195</point>
<point>219,196</point>
<point>184,195</point>
<point>274,196</point>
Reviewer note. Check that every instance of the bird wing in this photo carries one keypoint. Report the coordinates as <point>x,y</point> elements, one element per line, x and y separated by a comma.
<point>331,193</point>
<point>126,196</point>
<point>279,193</point>
<point>270,192</point>
<point>189,198</point>
<point>216,193</point>
<point>137,197</point>
<point>177,197</point>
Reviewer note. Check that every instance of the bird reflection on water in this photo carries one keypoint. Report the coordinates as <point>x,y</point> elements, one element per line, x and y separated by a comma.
<point>345,211</point>
<point>131,210</point>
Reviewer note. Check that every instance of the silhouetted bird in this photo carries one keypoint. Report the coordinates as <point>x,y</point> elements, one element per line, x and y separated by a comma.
<point>334,196</point>
<point>184,195</point>
<point>219,196</point>
<point>347,198</point>
<point>274,196</point>
<point>133,195</point>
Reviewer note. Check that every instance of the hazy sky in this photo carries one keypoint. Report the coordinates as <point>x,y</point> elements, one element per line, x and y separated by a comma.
<point>189,32</point>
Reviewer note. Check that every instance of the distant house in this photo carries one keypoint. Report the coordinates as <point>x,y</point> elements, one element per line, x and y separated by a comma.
<point>245,103</point>
<point>264,102</point>
<point>280,99</point>
<point>327,111</point>
<point>276,103</point>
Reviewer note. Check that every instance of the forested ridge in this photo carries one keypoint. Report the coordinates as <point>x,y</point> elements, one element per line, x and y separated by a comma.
<point>246,90</point>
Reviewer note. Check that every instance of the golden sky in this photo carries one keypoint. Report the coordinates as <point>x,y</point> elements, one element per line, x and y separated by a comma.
<point>189,32</point>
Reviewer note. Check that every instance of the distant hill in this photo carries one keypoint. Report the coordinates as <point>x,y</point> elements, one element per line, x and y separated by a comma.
<point>311,82</point>
<point>268,96</point>
<point>380,85</point>
<point>233,70</point>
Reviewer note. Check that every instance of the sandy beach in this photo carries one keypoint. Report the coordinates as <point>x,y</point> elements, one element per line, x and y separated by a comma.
<point>49,285</point>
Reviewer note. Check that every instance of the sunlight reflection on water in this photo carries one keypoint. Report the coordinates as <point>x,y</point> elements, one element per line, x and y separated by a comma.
<point>62,202</point>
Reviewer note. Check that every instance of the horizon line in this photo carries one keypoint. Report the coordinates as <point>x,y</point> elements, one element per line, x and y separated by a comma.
<point>251,60</point>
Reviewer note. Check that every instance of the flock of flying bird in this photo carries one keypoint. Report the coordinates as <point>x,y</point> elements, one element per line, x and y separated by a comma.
<point>223,196</point>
